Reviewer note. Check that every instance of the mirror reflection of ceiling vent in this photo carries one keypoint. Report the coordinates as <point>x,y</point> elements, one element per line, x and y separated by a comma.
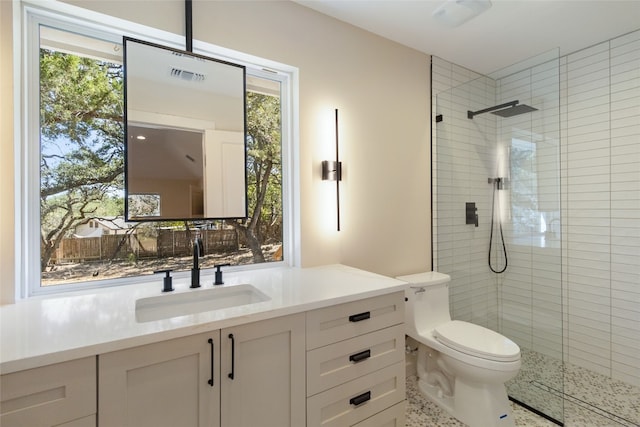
<point>187,75</point>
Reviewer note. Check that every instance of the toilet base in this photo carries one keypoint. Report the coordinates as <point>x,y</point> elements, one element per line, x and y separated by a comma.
<point>477,405</point>
<point>434,394</point>
<point>483,405</point>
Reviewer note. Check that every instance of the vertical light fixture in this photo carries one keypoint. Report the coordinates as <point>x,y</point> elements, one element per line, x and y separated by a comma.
<point>332,171</point>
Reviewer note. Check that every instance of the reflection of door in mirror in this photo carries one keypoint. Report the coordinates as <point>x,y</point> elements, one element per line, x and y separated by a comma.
<point>170,164</point>
<point>197,201</point>
<point>223,149</point>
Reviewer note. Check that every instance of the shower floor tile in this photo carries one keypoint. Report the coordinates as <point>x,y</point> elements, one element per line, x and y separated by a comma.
<point>590,399</point>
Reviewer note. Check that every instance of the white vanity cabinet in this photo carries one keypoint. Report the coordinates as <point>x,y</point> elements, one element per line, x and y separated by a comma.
<point>62,394</point>
<point>355,363</point>
<point>267,362</point>
<point>169,383</point>
<point>249,375</point>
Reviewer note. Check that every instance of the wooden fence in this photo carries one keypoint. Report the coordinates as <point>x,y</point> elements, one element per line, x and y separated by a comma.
<point>167,243</point>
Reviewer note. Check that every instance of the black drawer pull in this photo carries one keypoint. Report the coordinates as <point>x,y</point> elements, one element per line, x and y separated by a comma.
<point>359,357</point>
<point>359,400</point>
<point>211,379</point>
<point>232,374</point>
<point>359,317</point>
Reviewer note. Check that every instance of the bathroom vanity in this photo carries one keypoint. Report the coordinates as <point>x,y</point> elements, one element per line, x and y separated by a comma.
<point>325,348</point>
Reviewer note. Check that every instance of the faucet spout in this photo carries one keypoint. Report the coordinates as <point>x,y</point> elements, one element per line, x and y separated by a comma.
<point>198,251</point>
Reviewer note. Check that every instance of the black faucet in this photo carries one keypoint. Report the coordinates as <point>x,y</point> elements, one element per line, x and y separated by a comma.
<point>218,280</point>
<point>198,251</point>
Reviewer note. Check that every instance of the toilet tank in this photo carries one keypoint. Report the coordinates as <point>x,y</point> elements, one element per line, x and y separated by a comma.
<point>427,304</point>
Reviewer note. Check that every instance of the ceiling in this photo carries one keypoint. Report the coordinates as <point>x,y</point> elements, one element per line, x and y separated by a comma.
<point>510,31</point>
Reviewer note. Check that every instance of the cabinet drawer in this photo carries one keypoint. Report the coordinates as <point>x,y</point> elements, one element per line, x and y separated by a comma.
<point>89,421</point>
<point>49,395</point>
<point>338,363</point>
<point>357,400</point>
<point>391,417</point>
<point>340,322</point>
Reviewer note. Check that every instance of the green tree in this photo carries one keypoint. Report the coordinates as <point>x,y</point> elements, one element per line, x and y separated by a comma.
<point>264,172</point>
<point>82,143</point>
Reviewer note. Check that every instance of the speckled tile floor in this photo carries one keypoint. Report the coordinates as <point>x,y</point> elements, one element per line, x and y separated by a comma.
<point>421,412</point>
<point>590,399</point>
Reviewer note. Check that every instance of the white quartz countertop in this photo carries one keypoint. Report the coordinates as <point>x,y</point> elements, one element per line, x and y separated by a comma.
<point>44,330</point>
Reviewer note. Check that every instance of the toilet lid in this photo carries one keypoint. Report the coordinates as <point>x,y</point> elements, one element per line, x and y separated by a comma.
<point>477,341</point>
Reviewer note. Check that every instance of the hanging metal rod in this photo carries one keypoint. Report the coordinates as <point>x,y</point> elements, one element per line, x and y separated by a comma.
<point>188,17</point>
<point>470,114</point>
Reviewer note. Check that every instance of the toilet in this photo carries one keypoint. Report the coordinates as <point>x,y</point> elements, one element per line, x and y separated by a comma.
<point>461,366</point>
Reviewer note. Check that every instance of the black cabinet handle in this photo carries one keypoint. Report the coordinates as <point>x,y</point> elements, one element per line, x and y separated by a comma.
<point>233,356</point>
<point>359,317</point>
<point>359,400</point>
<point>359,357</point>
<point>211,379</point>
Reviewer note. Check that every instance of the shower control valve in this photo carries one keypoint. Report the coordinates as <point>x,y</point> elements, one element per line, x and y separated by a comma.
<point>471,213</point>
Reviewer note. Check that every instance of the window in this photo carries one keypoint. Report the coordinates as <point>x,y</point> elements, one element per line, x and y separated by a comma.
<point>534,185</point>
<point>80,133</point>
<point>524,191</point>
<point>142,205</point>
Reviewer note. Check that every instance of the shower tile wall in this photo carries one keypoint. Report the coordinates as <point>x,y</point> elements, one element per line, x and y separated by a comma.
<point>600,207</point>
<point>531,288</point>
<point>465,162</point>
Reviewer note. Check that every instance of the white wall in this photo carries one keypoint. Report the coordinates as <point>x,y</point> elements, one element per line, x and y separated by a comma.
<point>7,256</point>
<point>382,91</point>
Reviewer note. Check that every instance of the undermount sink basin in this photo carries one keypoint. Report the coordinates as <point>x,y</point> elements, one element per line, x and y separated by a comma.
<point>196,301</point>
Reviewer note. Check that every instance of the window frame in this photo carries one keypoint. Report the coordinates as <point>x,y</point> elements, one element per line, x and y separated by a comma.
<point>72,18</point>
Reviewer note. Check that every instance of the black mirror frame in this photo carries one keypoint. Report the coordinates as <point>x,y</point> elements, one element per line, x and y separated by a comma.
<point>125,40</point>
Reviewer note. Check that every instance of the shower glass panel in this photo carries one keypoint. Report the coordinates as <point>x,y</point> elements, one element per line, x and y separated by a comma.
<point>507,161</point>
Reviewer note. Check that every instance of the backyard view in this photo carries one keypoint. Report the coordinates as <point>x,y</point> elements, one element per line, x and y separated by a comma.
<point>83,233</point>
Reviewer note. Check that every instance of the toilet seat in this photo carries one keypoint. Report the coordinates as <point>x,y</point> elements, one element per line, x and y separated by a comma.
<point>477,341</point>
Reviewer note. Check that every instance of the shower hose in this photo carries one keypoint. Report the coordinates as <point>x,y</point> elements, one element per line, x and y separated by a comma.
<point>496,183</point>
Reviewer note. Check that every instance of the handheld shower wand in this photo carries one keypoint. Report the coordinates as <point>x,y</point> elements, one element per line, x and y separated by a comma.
<point>497,185</point>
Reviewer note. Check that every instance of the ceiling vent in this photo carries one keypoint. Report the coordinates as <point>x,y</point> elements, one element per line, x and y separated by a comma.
<point>189,76</point>
<point>453,13</point>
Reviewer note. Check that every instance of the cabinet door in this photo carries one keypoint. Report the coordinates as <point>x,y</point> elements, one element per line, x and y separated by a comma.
<point>267,362</point>
<point>162,384</point>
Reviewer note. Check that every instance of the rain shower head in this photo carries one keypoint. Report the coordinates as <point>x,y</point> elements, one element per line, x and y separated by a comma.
<point>508,109</point>
<point>514,111</point>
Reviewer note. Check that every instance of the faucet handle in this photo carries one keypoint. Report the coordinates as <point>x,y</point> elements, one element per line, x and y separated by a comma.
<point>218,280</point>
<point>167,281</point>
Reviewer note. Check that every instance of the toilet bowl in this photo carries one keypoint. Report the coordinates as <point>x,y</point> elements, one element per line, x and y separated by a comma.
<point>461,366</point>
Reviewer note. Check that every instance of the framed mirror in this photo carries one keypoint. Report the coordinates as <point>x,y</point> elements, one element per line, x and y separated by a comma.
<point>185,126</point>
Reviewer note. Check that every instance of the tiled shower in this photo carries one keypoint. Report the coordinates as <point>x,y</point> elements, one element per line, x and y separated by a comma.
<point>569,206</point>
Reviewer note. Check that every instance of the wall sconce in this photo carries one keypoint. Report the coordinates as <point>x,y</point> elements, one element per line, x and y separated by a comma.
<point>332,171</point>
